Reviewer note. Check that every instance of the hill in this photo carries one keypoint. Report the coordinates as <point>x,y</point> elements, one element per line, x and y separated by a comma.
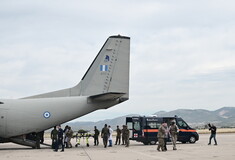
<point>223,117</point>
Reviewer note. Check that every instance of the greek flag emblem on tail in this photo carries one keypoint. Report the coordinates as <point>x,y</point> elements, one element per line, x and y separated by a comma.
<point>103,67</point>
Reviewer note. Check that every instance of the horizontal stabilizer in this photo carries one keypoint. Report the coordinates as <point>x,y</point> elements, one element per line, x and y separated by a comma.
<point>106,96</point>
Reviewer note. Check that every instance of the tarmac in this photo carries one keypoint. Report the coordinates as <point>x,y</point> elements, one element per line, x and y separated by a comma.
<point>136,151</point>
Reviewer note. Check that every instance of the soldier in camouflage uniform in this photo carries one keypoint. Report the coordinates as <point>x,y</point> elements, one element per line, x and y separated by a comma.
<point>105,135</point>
<point>126,134</point>
<point>123,138</point>
<point>161,135</point>
<point>174,132</point>
<point>69,137</point>
<point>118,137</point>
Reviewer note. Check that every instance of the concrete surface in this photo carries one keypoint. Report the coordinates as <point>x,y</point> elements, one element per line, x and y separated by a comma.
<point>136,151</point>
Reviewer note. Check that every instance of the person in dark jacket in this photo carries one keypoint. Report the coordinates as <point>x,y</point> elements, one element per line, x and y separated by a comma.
<point>96,136</point>
<point>105,135</point>
<point>212,128</point>
<point>54,137</point>
<point>60,139</point>
<point>118,136</point>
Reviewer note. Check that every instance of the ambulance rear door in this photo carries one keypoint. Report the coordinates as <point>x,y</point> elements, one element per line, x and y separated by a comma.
<point>134,126</point>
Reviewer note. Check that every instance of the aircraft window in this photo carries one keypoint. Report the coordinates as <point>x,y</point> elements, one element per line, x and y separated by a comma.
<point>1,103</point>
<point>182,124</point>
<point>137,126</point>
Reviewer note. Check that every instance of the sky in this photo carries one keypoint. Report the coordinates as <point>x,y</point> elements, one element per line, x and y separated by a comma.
<point>182,52</point>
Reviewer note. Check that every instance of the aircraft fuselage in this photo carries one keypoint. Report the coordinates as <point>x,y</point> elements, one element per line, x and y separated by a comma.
<point>35,115</point>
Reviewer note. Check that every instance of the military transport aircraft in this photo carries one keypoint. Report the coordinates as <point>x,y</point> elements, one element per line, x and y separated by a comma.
<point>105,84</point>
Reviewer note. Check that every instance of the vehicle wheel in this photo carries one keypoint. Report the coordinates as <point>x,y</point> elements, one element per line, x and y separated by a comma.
<point>192,139</point>
<point>153,142</point>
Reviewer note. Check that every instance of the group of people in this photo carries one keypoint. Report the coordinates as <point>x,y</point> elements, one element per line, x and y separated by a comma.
<point>163,134</point>
<point>107,136</point>
<point>61,137</point>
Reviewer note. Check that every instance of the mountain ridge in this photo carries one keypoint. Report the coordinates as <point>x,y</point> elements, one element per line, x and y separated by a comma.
<point>223,117</point>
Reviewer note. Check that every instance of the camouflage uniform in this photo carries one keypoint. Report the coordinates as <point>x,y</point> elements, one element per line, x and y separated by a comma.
<point>174,132</point>
<point>118,137</point>
<point>123,138</point>
<point>126,134</point>
<point>161,135</point>
<point>69,135</point>
<point>105,135</point>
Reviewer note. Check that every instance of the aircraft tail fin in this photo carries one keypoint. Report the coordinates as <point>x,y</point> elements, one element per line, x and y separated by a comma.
<point>108,73</point>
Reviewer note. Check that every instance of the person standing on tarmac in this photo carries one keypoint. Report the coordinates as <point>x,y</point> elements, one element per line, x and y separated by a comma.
<point>174,130</point>
<point>161,135</point>
<point>66,129</point>
<point>96,136</point>
<point>126,134</point>
<point>118,136</point>
<point>69,137</point>
<point>60,139</point>
<point>166,135</point>
<point>123,137</point>
<point>54,137</point>
<point>105,135</point>
<point>110,136</point>
<point>212,128</point>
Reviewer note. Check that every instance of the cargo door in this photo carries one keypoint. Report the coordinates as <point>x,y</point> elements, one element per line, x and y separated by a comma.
<point>2,122</point>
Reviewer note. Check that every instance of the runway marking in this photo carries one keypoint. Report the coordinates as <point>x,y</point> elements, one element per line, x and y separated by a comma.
<point>86,153</point>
